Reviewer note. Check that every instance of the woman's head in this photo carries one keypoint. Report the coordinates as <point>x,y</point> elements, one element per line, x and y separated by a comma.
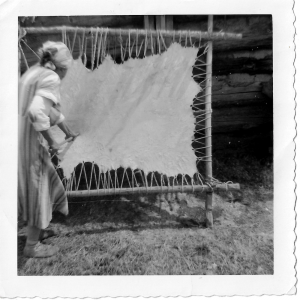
<point>55,56</point>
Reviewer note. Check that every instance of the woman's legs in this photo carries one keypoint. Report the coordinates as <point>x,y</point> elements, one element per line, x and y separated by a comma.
<point>34,248</point>
<point>33,234</point>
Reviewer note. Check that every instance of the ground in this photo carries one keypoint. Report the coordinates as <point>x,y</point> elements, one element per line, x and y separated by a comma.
<point>162,235</point>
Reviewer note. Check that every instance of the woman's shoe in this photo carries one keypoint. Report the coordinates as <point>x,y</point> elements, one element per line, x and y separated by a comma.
<point>45,234</point>
<point>40,250</point>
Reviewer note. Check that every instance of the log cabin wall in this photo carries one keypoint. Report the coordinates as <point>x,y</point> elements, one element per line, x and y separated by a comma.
<point>242,96</point>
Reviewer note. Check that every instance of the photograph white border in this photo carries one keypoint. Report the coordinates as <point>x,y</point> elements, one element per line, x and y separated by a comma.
<point>283,280</point>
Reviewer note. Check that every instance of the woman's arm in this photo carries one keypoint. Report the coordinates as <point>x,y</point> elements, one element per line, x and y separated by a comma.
<point>68,132</point>
<point>54,147</point>
<point>57,118</point>
<point>38,113</point>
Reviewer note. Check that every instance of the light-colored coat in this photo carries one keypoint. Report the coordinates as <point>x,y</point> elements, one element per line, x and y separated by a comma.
<point>40,190</point>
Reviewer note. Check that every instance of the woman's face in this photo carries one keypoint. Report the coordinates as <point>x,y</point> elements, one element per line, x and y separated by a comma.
<point>61,72</point>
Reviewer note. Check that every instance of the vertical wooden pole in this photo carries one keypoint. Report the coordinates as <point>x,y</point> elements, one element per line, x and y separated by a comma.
<point>146,22</point>
<point>169,22</point>
<point>161,22</point>
<point>149,23</point>
<point>169,26</point>
<point>165,22</point>
<point>208,143</point>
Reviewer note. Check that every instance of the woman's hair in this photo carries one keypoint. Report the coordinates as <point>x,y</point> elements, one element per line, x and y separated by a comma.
<point>54,55</point>
<point>46,56</point>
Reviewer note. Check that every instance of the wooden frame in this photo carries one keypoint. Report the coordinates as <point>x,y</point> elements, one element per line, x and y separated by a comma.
<point>156,25</point>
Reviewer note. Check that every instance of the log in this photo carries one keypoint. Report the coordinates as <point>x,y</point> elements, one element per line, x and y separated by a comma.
<point>241,102</point>
<point>240,115</point>
<point>256,30</point>
<point>227,90</point>
<point>231,119</point>
<point>151,190</point>
<point>225,99</point>
<point>248,42</point>
<point>114,21</point>
<point>209,36</point>
<point>245,24</point>
<point>243,65</point>
<point>257,140</point>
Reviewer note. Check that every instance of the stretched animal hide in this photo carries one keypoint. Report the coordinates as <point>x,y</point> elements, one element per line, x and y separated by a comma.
<point>134,115</point>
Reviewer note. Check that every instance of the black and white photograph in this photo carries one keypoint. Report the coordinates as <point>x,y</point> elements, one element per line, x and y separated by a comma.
<point>151,147</point>
<point>163,126</point>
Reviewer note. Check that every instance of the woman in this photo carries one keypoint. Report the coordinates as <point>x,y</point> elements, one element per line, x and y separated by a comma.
<point>40,191</point>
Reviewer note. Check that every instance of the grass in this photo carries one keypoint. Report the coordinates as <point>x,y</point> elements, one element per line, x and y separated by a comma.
<point>165,234</point>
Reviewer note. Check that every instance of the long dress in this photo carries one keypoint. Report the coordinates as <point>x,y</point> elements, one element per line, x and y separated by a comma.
<point>40,190</point>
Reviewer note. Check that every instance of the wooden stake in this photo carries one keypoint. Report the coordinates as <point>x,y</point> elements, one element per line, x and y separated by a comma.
<point>208,209</point>
<point>208,143</point>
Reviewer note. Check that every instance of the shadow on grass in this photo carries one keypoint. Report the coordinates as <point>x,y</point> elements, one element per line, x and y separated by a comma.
<point>95,215</point>
<point>132,213</point>
<point>134,229</point>
<point>99,215</point>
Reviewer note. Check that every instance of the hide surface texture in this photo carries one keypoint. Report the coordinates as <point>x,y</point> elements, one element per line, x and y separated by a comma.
<point>133,115</point>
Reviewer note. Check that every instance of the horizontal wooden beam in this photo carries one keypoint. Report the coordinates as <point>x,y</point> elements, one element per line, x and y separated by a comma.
<point>203,35</point>
<point>155,189</point>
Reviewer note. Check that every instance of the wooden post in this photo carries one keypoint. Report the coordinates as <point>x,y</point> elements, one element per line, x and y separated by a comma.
<point>149,24</point>
<point>161,22</point>
<point>165,22</point>
<point>169,26</point>
<point>208,143</point>
<point>169,22</point>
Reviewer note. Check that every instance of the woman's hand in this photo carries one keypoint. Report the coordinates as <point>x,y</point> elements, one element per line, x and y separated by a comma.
<point>54,148</point>
<point>67,131</point>
<point>72,135</point>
